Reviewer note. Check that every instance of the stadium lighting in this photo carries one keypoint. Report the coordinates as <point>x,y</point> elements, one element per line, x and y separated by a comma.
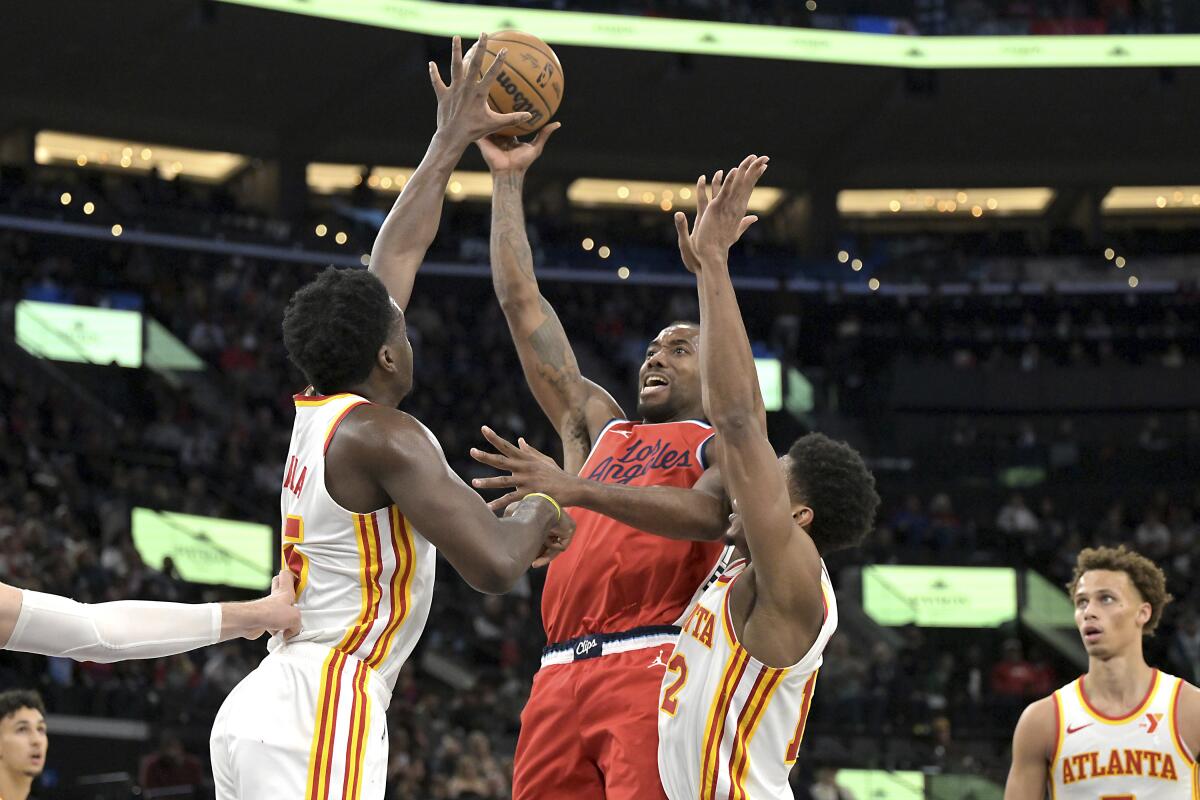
<point>1151,199</point>
<point>60,147</point>
<point>333,178</point>
<point>867,203</point>
<point>605,193</point>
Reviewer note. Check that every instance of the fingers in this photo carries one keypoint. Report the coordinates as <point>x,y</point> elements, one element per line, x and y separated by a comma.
<point>544,135</point>
<point>701,197</point>
<point>717,182</point>
<point>474,58</point>
<point>530,450</point>
<point>685,236</point>
<point>497,441</point>
<point>492,460</point>
<point>501,503</point>
<point>456,59</point>
<point>495,482</point>
<point>493,70</point>
<point>745,224</point>
<point>508,120</point>
<point>435,77</point>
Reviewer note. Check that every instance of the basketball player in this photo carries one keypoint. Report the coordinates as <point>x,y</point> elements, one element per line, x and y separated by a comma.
<point>740,681</point>
<point>23,742</point>
<point>1124,729</point>
<point>367,495</point>
<point>612,603</point>
<point>51,625</point>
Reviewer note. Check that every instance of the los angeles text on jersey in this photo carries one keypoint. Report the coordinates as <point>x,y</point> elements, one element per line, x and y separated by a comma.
<point>639,458</point>
<point>1118,763</point>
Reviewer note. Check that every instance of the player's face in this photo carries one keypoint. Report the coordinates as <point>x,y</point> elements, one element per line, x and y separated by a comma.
<point>23,742</point>
<point>735,534</point>
<point>669,380</point>
<point>1109,612</point>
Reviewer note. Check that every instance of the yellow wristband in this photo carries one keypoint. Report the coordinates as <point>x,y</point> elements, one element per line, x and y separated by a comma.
<point>552,501</point>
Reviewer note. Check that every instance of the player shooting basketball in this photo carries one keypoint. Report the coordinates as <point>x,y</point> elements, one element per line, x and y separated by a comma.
<point>1124,729</point>
<point>367,495</point>
<point>645,540</point>
<point>741,679</point>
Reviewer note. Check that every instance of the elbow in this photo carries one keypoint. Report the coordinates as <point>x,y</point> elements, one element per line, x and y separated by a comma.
<point>516,302</point>
<point>498,576</point>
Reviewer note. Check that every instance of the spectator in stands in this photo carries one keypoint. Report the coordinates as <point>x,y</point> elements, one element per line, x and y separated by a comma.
<point>1185,648</point>
<point>827,787</point>
<point>23,742</point>
<point>170,765</point>
<point>1153,537</point>
<point>1017,679</point>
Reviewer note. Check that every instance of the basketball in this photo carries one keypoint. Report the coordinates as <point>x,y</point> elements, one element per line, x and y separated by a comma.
<point>531,79</point>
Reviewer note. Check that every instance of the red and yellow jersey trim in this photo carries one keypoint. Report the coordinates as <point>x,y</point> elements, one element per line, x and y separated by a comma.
<point>401,585</point>
<point>718,713</point>
<point>309,400</point>
<point>356,744</point>
<point>1101,717</point>
<point>1175,737</point>
<point>367,529</point>
<point>765,684</point>
<point>320,757</point>
<point>793,751</point>
<point>336,421</point>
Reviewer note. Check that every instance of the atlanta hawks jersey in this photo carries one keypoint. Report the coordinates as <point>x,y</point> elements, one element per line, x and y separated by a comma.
<point>728,725</point>
<point>614,577</point>
<point>364,581</point>
<point>1140,755</point>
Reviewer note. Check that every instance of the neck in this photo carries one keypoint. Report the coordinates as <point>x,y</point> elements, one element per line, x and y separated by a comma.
<point>1121,679</point>
<point>14,785</point>
<point>376,394</point>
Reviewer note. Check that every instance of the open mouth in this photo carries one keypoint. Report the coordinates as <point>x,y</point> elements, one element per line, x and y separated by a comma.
<point>1091,633</point>
<point>655,385</point>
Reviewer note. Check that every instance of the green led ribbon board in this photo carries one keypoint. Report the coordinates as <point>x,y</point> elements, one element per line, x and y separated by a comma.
<point>756,41</point>
<point>770,382</point>
<point>83,334</point>
<point>940,597</point>
<point>223,552</point>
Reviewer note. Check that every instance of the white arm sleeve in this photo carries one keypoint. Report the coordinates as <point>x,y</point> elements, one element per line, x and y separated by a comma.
<point>105,632</point>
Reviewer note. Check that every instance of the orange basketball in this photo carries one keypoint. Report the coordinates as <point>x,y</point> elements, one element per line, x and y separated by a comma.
<point>530,80</point>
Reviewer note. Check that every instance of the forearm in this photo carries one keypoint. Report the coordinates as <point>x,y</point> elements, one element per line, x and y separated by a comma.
<point>105,632</point>
<point>512,259</point>
<point>729,377</point>
<point>666,511</point>
<point>413,222</point>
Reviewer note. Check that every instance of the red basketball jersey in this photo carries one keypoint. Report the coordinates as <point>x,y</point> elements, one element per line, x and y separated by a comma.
<point>614,577</point>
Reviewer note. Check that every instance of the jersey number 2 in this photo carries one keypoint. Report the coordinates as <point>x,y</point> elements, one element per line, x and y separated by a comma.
<point>669,702</point>
<point>293,559</point>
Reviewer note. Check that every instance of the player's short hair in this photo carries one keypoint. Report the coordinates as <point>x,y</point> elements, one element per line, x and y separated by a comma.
<point>1144,574</point>
<point>832,479</point>
<point>334,326</point>
<point>14,700</point>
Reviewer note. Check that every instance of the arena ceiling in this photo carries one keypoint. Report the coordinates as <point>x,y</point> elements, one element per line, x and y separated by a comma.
<point>266,84</point>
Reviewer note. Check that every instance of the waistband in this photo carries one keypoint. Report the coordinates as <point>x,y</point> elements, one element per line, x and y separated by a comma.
<point>596,645</point>
<point>313,654</point>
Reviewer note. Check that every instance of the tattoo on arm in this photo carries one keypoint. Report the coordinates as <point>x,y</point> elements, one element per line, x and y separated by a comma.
<point>549,341</point>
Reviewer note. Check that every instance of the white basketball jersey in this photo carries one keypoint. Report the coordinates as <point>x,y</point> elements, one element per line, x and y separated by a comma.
<point>1137,756</point>
<point>364,581</point>
<point>728,725</point>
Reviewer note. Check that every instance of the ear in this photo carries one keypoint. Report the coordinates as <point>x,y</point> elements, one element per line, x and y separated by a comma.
<point>1144,613</point>
<point>384,359</point>
<point>803,515</point>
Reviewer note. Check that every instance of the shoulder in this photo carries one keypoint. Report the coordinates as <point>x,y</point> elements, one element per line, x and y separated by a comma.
<point>1187,709</point>
<point>376,434</point>
<point>1038,726</point>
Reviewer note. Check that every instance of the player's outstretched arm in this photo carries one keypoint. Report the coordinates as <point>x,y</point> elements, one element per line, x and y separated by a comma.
<point>787,567</point>
<point>50,625</point>
<point>463,115</point>
<point>1034,742</point>
<point>489,553</point>
<point>576,407</point>
<point>695,514</point>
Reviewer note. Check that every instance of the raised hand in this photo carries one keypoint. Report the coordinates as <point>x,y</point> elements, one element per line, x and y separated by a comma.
<point>720,219</point>
<point>530,470</point>
<point>463,110</point>
<point>510,154</point>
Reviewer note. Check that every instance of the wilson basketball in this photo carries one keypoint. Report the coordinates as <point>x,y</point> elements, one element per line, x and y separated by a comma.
<point>530,80</point>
